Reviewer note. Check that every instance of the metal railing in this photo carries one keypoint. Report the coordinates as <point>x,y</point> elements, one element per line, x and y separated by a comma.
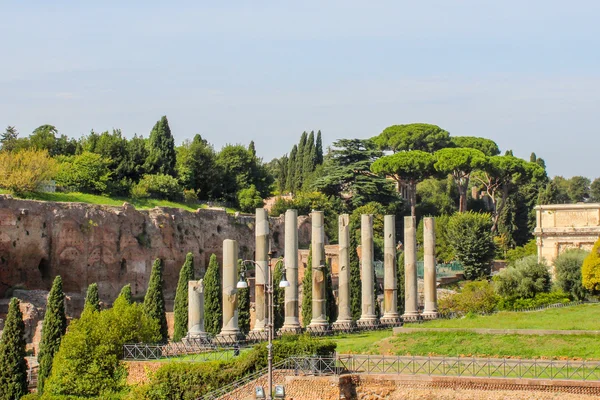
<point>177,351</point>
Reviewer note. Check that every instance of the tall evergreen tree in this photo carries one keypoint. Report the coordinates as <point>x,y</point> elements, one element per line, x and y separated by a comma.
<point>154,301</point>
<point>213,296</point>
<point>355,283</point>
<point>13,367</point>
<point>329,296</point>
<point>161,147</point>
<point>291,170</point>
<point>278,296</point>
<point>92,299</point>
<point>8,138</point>
<point>180,308</point>
<point>299,171</point>
<point>252,148</point>
<point>400,283</point>
<point>307,291</point>
<point>309,157</point>
<point>319,149</point>
<point>243,307</point>
<point>126,293</point>
<point>53,329</point>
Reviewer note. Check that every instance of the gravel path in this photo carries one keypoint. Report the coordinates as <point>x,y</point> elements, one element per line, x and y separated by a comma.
<point>450,394</point>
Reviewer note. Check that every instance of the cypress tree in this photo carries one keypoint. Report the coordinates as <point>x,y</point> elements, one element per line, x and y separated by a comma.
<point>299,170</point>
<point>291,170</point>
<point>400,284</point>
<point>309,157</point>
<point>252,149</point>
<point>13,367</point>
<point>307,291</point>
<point>180,308</point>
<point>161,150</point>
<point>355,284</point>
<point>329,296</point>
<point>154,301</point>
<point>92,299</point>
<point>213,310</point>
<point>319,149</point>
<point>126,293</point>
<point>278,296</point>
<point>53,329</point>
<point>243,307</point>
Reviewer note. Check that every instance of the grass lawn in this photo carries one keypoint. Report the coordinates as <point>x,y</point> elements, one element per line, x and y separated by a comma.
<point>139,204</point>
<point>581,317</point>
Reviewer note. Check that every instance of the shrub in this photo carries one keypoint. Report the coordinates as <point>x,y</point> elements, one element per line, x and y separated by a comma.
<point>540,299</point>
<point>590,271</point>
<point>157,186</point>
<point>190,196</point>
<point>528,249</point>
<point>87,172</point>
<point>476,297</point>
<point>568,272</point>
<point>23,171</point>
<point>87,363</point>
<point>469,235</point>
<point>249,199</point>
<point>525,279</point>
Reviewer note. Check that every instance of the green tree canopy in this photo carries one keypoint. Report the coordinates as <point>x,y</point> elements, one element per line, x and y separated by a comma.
<point>92,299</point>
<point>423,137</point>
<point>13,367</point>
<point>486,146</point>
<point>595,191</point>
<point>8,138</point>
<point>53,329</point>
<point>86,172</point>
<point>568,272</point>
<point>162,158</point>
<point>459,162</point>
<point>406,168</point>
<point>579,189</point>
<point>196,167</point>
<point>180,307</point>
<point>154,301</point>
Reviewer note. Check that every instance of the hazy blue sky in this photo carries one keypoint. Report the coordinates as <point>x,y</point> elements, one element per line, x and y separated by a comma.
<point>523,73</point>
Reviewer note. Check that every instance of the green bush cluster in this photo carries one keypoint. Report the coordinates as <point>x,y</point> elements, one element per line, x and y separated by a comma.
<point>525,279</point>
<point>568,272</point>
<point>590,271</point>
<point>476,297</point>
<point>191,381</point>
<point>158,186</point>
<point>540,300</point>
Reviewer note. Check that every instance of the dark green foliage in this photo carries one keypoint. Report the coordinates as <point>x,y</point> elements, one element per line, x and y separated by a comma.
<point>437,197</point>
<point>331,306</point>
<point>213,310</point>
<point>252,148</point>
<point>8,138</point>
<point>87,363</point>
<point>249,199</point>
<point>291,170</point>
<point>355,283</point>
<point>299,168</point>
<point>519,252</point>
<point>307,291</point>
<point>161,158</point>
<point>568,272</point>
<point>475,297</point>
<point>346,175</point>
<point>319,149</point>
<point>513,227</point>
<point>154,301</point>
<point>53,329</point>
<point>278,295</point>
<point>579,189</point>
<point>180,307</point>
<point>444,252</point>
<point>595,191</point>
<point>469,235</point>
<point>424,137</point>
<point>13,367</point>
<point>539,300</point>
<point>309,158</point>
<point>193,380</point>
<point>486,146</point>
<point>243,307</point>
<point>86,172</point>
<point>196,167</point>
<point>401,283</point>
<point>525,279</point>
<point>125,293</point>
<point>92,299</point>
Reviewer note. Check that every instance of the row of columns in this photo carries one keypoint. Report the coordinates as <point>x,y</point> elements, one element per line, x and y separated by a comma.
<point>368,316</point>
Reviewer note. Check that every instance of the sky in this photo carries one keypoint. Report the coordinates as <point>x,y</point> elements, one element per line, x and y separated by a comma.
<point>523,73</point>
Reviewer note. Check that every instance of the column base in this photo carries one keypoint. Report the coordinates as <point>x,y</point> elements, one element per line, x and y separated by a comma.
<point>196,338</point>
<point>228,337</point>
<point>344,326</point>
<point>291,329</point>
<point>391,320</point>
<point>367,323</point>
<point>318,330</point>
<point>411,317</point>
<point>257,336</point>
<point>428,315</point>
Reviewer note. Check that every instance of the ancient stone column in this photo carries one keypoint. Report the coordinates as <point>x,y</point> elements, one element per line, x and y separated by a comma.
<point>367,276</point>
<point>430,285</point>
<point>292,322</point>
<point>319,313</point>
<point>230,329</point>
<point>344,319</point>
<point>261,232</point>
<point>390,282</point>
<point>411,293</point>
<point>196,309</point>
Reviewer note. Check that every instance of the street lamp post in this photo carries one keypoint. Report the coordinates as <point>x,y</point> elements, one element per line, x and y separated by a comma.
<point>242,284</point>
